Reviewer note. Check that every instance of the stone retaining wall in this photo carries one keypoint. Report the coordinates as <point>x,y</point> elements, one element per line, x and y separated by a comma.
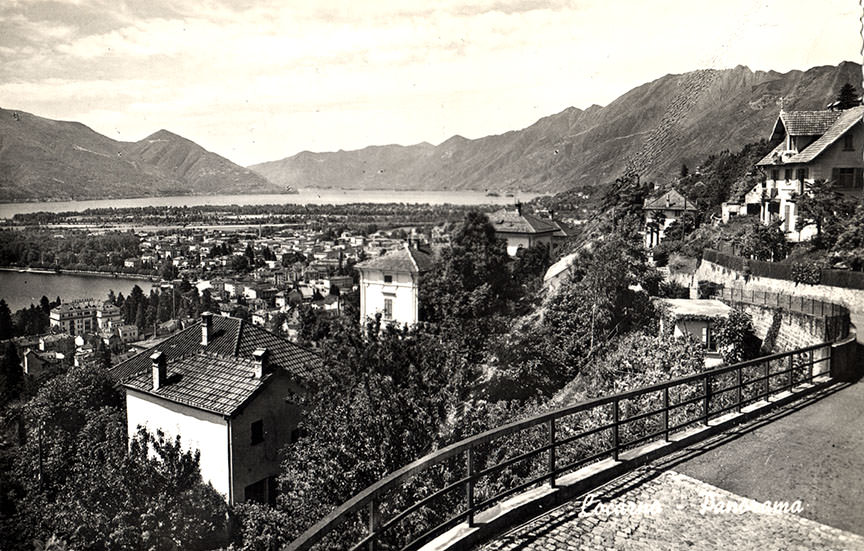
<point>853,299</point>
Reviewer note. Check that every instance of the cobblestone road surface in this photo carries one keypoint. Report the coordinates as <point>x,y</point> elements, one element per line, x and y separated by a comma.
<point>678,512</point>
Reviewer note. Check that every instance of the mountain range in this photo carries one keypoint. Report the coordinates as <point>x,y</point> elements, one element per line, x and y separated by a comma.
<point>652,129</point>
<point>44,159</point>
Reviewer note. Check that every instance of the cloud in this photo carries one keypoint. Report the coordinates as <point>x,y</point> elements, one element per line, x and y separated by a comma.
<point>258,80</point>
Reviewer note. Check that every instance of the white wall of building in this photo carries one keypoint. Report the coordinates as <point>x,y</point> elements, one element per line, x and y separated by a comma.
<point>207,432</point>
<point>402,291</point>
<point>524,241</point>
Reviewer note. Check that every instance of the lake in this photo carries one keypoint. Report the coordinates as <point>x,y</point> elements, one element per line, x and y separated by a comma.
<point>305,197</point>
<point>20,289</point>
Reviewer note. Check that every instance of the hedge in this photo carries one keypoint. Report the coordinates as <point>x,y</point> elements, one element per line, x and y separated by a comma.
<point>832,278</point>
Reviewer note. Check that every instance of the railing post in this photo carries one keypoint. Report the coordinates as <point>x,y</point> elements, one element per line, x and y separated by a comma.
<point>615,429</point>
<point>374,519</point>
<point>666,412</point>
<point>738,378</point>
<point>705,390</point>
<point>791,370</point>
<point>767,380</point>
<point>552,452</point>
<point>469,489</point>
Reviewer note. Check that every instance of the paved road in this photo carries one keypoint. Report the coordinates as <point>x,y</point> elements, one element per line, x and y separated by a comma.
<point>812,451</point>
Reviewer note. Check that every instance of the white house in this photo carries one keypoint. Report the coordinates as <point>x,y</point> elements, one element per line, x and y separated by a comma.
<point>390,285</point>
<point>696,318</point>
<point>660,212</point>
<point>228,389</point>
<point>522,231</point>
<point>812,145</point>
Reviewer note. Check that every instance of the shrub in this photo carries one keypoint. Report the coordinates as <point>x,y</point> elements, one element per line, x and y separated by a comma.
<point>735,337</point>
<point>809,272</point>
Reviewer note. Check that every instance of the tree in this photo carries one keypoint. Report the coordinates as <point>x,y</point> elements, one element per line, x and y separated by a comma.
<point>822,205</point>
<point>80,477</point>
<point>11,374</point>
<point>168,271</point>
<point>472,278</point>
<point>847,97</point>
<point>382,404</point>
<point>531,264</point>
<point>240,263</point>
<point>6,327</point>
<point>45,304</point>
<point>764,242</point>
<point>684,170</point>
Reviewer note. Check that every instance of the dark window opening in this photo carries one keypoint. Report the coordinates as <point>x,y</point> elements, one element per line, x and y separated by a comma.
<point>257,432</point>
<point>788,174</point>
<point>848,178</point>
<point>848,143</point>
<point>388,279</point>
<point>263,491</point>
<point>775,174</point>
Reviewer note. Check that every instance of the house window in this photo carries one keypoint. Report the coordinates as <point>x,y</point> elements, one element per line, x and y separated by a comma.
<point>263,491</point>
<point>388,278</point>
<point>388,308</point>
<point>708,338</point>
<point>801,176</point>
<point>257,432</point>
<point>788,174</point>
<point>775,174</point>
<point>847,178</point>
<point>848,144</point>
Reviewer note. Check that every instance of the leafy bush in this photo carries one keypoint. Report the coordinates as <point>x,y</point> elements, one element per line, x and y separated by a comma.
<point>735,337</point>
<point>809,272</point>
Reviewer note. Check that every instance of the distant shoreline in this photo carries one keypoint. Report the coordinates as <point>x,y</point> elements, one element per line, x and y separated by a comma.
<point>88,273</point>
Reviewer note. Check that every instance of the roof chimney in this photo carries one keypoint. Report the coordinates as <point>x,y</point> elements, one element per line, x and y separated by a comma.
<point>206,327</point>
<point>260,359</point>
<point>519,208</point>
<point>160,370</point>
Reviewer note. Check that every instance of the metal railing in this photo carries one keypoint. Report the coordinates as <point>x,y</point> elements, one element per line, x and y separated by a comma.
<point>801,305</point>
<point>834,318</point>
<point>486,468</point>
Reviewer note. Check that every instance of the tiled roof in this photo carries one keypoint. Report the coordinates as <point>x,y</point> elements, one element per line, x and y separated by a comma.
<point>806,123</point>
<point>513,221</point>
<point>671,200</point>
<point>211,382</point>
<point>406,259</point>
<point>228,337</point>
<point>843,121</point>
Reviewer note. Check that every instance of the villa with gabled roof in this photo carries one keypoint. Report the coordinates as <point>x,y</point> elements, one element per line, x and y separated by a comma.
<point>812,145</point>
<point>660,212</point>
<point>522,230</point>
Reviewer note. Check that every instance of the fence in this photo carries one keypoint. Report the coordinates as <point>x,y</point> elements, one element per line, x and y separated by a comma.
<point>834,278</point>
<point>450,486</point>
<point>834,318</point>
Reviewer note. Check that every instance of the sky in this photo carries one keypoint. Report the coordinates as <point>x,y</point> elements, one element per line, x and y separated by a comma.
<point>257,80</point>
